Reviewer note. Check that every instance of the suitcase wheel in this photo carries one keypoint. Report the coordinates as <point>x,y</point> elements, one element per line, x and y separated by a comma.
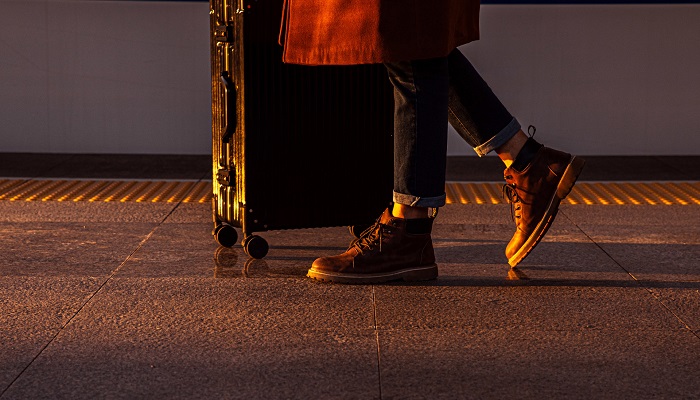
<point>255,246</point>
<point>225,235</point>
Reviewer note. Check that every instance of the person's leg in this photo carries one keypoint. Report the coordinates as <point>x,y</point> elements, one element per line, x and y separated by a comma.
<point>537,177</point>
<point>420,144</point>
<point>399,245</point>
<point>478,115</point>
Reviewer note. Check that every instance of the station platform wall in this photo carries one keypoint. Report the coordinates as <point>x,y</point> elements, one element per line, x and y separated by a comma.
<point>133,76</point>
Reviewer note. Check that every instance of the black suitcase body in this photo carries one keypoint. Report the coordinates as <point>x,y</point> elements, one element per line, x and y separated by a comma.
<point>292,144</point>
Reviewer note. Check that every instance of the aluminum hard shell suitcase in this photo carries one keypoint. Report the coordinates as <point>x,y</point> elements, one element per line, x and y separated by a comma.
<point>292,145</point>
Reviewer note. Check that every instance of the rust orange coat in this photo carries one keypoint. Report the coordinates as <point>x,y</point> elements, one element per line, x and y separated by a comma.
<point>341,32</point>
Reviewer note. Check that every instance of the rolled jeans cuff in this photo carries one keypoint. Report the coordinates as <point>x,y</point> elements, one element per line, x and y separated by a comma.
<point>499,139</point>
<point>409,200</point>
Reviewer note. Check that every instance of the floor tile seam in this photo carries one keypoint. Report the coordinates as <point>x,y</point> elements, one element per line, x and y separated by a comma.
<point>521,329</point>
<point>377,341</point>
<point>641,283</point>
<point>88,301</point>
<point>648,242</point>
<point>598,245</point>
<point>296,331</point>
<point>285,279</point>
<point>474,283</point>
<point>570,284</point>
<point>663,304</point>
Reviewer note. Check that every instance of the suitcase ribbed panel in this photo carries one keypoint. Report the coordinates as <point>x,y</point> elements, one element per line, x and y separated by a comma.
<point>310,141</point>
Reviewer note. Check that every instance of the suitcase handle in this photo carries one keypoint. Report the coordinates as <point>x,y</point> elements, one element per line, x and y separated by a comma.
<point>230,109</point>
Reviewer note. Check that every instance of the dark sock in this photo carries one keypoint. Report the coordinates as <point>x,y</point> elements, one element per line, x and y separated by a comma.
<point>419,226</point>
<point>526,154</point>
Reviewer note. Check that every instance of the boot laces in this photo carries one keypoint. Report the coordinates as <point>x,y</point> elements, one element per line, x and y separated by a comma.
<point>369,238</point>
<point>510,190</point>
<point>510,194</point>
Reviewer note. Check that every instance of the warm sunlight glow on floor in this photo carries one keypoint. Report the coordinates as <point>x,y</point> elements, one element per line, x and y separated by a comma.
<point>584,193</point>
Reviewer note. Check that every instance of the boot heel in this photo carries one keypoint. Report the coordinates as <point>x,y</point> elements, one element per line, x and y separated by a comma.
<point>570,176</point>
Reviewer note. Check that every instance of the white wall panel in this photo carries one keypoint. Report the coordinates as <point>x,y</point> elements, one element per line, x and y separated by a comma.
<point>133,77</point>
<point>105,77</point>
<point>24,118</point>
<point>596,79</point>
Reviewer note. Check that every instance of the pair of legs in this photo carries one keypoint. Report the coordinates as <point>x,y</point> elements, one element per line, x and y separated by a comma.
<point>428,94</point>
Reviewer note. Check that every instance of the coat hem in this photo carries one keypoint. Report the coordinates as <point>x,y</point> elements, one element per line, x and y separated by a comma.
<point>363,57</point>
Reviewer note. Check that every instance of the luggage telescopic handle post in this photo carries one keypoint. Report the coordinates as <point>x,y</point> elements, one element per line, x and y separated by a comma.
<point>230,109</point>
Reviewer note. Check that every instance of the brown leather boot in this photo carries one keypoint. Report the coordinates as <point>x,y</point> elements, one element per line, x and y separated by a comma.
<point>535,194</point>
<point>391,249</point>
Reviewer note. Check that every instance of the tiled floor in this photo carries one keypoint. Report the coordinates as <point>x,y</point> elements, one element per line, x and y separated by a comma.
<point>136,300</point>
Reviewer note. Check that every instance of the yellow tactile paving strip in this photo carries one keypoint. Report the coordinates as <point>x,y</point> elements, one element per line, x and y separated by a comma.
<point>105,191</point>
<point>140,191</point>
<point>601,193</point>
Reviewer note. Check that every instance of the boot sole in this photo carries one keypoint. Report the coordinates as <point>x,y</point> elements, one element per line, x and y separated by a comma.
<point>567,182</point>
<point>424,273</point>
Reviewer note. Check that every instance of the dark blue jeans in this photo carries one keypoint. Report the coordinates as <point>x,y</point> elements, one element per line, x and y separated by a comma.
<point>428,94</point>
